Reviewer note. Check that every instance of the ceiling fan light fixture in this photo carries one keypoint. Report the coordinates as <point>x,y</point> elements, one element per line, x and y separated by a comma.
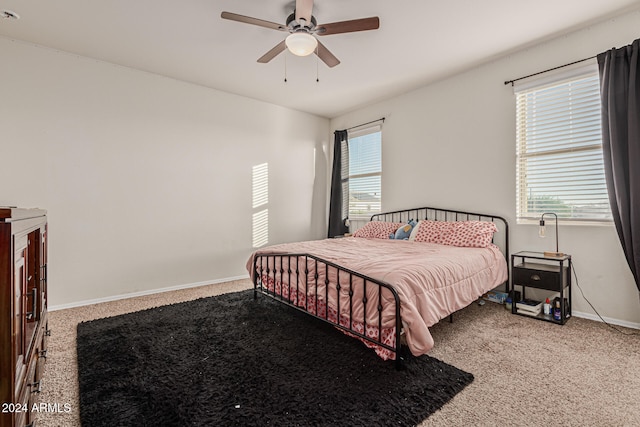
<point>301,44</point>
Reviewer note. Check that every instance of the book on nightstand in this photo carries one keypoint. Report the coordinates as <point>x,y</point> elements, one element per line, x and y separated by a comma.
<point>529,306</point>
<point>527,312</point>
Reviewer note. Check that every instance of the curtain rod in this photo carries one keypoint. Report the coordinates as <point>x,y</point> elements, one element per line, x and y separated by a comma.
<point>546,71</point>
<point>368,123</point>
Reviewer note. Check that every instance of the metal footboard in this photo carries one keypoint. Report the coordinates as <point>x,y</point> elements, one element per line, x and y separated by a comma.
<point>303,282</point>
<point>274,275</point>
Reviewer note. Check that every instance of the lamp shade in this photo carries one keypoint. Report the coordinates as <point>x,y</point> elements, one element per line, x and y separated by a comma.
<point>301,44</point>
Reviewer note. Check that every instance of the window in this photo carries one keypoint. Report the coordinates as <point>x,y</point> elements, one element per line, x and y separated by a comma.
<point>559,147</point>
<point>365,172</point>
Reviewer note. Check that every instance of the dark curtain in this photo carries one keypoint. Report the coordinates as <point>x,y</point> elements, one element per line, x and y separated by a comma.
<point>620,92</point>
<point>339,203</point>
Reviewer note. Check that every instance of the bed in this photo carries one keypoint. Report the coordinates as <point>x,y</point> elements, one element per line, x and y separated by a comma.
<point>384,291</point>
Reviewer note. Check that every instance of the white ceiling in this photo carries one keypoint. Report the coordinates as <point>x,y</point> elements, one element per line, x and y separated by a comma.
<point>419,41</point>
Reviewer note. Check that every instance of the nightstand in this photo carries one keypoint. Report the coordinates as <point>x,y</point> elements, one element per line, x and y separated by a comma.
<point>539,271</point>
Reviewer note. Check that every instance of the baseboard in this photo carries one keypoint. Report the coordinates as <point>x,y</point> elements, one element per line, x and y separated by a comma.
<point>143,293</point>
<point>609,320</point>
<point>589,316</point>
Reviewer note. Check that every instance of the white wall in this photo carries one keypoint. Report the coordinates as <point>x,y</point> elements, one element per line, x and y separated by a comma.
<point>148,180</point>
<point>452,144</point>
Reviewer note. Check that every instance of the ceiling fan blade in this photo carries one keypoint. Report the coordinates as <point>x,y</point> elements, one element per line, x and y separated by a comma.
<point>363,24</point>
<point>326,56</point>
<point>304,9</point>
<point>253,21</point>
<point>275,51</point>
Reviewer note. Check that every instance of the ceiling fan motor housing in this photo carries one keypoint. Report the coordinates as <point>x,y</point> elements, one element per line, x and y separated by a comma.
<point>295,26</point>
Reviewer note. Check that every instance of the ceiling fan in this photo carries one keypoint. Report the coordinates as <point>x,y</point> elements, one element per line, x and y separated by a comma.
<point>303,28</point>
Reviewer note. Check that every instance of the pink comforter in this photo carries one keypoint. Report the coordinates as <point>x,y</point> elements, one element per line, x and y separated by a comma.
<point>432,280</point>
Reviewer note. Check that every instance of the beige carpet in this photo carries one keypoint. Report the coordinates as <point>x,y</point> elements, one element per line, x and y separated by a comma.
<point>527,372</point>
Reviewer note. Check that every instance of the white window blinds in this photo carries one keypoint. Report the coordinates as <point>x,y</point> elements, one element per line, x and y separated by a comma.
<point>365,172</point>
<point>559,147</point>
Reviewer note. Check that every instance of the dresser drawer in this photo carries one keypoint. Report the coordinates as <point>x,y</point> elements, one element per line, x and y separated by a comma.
<point>539,276</point>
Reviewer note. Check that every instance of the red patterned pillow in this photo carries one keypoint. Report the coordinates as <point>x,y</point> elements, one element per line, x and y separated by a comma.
<point>377,230</point>
<point>432,231</point>
<point>471,234</point>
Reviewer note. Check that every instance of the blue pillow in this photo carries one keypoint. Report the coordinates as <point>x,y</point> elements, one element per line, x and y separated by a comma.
<point>404,231</point>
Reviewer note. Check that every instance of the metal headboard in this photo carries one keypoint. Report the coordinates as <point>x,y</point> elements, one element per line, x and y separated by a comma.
<point>500,239</point>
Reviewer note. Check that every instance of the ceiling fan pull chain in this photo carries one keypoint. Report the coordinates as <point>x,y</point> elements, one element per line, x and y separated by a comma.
<point>285,68</point>
<point>317,66</point>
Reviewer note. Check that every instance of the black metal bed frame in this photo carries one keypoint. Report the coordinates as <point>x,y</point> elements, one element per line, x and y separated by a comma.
<point>275,268</point>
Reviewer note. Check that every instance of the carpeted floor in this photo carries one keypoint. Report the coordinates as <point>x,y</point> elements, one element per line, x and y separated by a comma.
<point>232,360</point>
<point>527,372</point>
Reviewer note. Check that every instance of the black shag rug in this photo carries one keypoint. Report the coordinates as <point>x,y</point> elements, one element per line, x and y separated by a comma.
<point>231,360</point>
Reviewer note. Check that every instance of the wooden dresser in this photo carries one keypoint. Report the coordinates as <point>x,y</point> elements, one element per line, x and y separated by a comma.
<point>23,312</point>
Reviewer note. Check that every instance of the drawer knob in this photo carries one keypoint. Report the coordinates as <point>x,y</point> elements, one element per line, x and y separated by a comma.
<point>535,277</point>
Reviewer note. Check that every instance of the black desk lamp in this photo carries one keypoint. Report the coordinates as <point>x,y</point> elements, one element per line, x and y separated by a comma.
<point>541,233</point>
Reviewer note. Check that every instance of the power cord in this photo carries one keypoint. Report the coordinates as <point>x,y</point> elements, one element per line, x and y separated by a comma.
<point>615,328</point>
